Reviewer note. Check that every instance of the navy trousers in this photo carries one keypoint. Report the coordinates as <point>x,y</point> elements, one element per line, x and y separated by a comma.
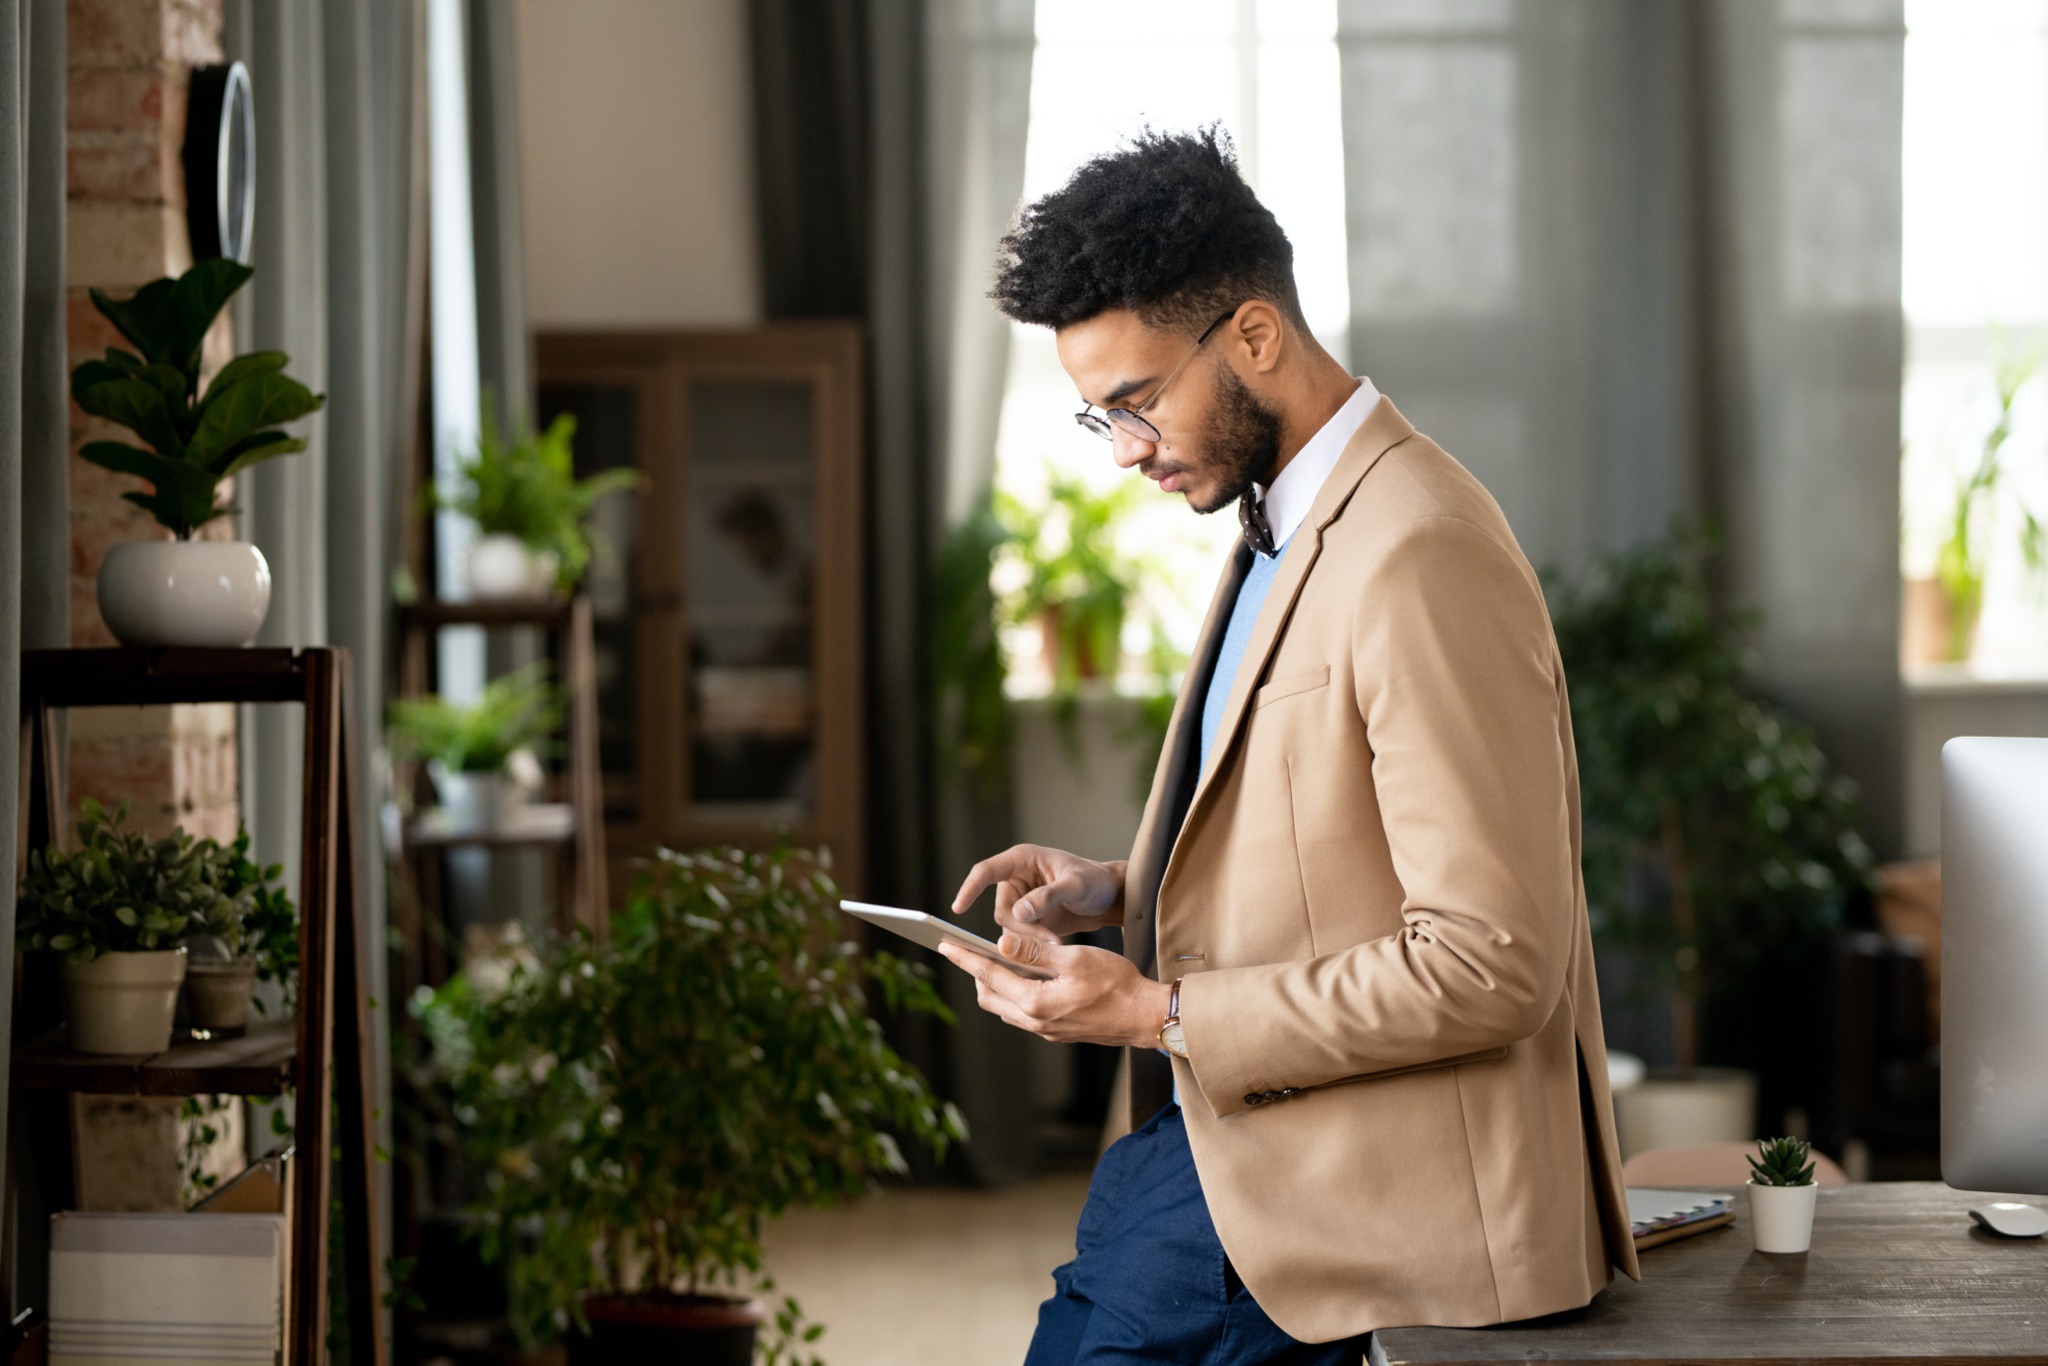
<point>1149,1281</point>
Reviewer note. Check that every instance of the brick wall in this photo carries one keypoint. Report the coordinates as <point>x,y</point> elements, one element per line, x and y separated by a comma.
<point>129,61</point>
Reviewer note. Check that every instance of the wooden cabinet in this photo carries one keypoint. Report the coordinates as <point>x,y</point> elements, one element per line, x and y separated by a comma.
<point>728,593</point>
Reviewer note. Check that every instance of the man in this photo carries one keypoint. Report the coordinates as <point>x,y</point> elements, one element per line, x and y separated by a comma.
<point>1353,921</point>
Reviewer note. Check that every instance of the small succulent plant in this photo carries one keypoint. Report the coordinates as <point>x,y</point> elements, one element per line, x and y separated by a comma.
<point>1782,1162</point>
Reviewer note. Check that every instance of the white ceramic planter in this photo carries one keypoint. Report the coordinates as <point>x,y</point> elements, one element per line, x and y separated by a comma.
<point>123,1002</point>
<point>1781,1217</point>
<point>473,802</point>
<point>501,566</point>
<point>217,993</point>
<point>184,592</point>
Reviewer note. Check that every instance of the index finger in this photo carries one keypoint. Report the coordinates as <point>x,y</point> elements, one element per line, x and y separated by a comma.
<point>981,877</point>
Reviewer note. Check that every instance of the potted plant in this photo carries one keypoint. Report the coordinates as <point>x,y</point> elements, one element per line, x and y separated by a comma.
<point>640,1106</point>
<point>185,591</point>
<point>1718,843</point>
<point>530,509</point>
<point>1782,1195</point>
<point>117,910</point>
<point>253,933</point>
<point>468,747</point>
<point>1942,612</point>
<point>1076,587</point>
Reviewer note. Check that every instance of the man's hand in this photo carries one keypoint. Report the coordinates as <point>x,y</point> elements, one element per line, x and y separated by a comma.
<point>1044,892</point>
<point>1096,997</point>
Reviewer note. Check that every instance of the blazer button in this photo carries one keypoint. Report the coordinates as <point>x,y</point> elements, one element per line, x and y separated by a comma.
<point>1254,1098</point>
<point>1290,1091</point>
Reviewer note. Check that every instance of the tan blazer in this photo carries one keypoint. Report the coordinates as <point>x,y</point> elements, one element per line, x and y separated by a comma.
<point>1396,1089</point>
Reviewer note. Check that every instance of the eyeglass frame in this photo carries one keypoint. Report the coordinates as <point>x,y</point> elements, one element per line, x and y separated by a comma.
<point>1114,420</point>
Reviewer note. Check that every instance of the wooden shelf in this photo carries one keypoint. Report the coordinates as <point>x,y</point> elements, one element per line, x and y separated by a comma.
<point>549,613</point>
<point>543,823</point>
<point>262,1062</point>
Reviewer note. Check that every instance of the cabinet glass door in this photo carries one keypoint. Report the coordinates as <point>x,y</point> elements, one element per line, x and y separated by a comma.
<point>750,520</point>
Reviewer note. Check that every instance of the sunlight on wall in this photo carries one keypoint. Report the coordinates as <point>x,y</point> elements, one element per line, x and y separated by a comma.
<point>1104,69</point>
<point>1975,261</point>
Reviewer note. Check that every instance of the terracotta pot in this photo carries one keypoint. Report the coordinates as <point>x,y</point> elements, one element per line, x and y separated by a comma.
<point>667,1330</point>
<point>184,592</point>
<point>1930,631</point>
<point>217,994</point>
<point>123,1002</point>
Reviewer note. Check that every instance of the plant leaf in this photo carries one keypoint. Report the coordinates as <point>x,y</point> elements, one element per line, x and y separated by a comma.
<point>261,447</point>
<point>138,404</point>
<point>237,411</point>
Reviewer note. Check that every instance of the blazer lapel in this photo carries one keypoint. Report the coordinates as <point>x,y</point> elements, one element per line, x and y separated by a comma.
<point>1381,430</point>
<point>1173,781</point>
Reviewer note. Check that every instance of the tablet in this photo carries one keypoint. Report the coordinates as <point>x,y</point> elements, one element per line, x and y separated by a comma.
<point>931,932</point>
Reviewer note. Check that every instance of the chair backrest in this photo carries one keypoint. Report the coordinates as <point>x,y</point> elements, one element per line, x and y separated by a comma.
<point>1711,1164</point>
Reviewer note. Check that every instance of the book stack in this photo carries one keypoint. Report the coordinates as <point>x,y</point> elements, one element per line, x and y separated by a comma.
<point>187,1288</point>
<point>1660,1216</point>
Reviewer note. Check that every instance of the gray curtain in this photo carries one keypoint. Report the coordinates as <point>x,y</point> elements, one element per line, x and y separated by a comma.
<point>35,529</point>
<point>335,85</point>
<point>889,150</point>
<point>1631,262</point>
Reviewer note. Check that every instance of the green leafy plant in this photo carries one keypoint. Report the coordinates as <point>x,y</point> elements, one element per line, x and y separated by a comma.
<point>121,892</point>
<point>527,487</point>
<point>1963,556</point>
<point>968,668</point>
<point>1077,586</point>
<point>638,1107</point>
<point>518,711</point>
<point>1782,1162</point>
<point>265,925</point>
<point>191,442</point>
<point>1715,834</point>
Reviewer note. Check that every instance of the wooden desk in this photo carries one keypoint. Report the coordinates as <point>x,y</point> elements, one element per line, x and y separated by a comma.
<point>1898,1272</point>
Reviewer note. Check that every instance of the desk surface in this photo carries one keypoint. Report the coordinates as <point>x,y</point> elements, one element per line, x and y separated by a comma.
<point>1898,1271</point>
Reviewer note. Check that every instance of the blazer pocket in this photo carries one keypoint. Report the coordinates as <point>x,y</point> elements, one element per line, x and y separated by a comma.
<point>1287,685</point>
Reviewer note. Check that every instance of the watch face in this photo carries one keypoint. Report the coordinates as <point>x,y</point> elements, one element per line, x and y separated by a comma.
<point>1170,1037</point>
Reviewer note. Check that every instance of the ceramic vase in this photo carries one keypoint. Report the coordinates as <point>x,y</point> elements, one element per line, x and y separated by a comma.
<point>123,1002</point>
<point>501,566</point>
<point>1781,1217</point>
<point>184,592</point>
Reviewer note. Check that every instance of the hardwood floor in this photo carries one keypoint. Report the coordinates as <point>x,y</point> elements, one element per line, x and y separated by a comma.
<point>929,1277</point>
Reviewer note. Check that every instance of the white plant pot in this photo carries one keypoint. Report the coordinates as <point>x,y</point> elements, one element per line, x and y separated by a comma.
<point>217,993</point>
<point>123,1002</point>
<point>474,802</point>
<point>184,592</point>
<point>1781,1217</point>
<point>1713,1105</point>
<point>502,566</point>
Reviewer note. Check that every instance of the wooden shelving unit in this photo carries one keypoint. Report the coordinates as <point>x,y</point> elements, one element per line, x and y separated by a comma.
<point>574,827</point>
<point>321,1055</point>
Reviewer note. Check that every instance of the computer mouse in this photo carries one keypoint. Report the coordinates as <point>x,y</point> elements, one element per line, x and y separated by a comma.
<point>2014,1221</point>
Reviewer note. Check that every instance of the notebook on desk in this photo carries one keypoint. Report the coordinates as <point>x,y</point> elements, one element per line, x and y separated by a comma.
<point>1659,1216</point>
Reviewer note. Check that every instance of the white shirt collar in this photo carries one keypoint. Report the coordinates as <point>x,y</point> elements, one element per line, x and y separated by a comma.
<point>1294,490</point>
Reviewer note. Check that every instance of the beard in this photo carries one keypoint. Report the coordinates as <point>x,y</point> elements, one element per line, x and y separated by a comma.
<point>1245,441</point>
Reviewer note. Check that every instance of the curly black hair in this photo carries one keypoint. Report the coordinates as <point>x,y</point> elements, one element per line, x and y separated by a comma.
<point>1165,226</point>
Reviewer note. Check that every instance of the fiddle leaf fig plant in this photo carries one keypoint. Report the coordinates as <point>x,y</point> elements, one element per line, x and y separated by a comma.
<point>638,1107</point>
<point>121,892</point>
<point>190,441</point>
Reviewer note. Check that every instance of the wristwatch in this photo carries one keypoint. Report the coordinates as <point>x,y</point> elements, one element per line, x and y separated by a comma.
<point>1169,1033</point>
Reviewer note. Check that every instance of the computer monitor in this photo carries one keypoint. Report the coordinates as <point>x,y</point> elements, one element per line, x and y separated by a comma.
<point>1994,964</point>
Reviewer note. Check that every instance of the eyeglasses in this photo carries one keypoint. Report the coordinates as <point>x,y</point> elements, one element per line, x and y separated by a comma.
<point>1131,420</point>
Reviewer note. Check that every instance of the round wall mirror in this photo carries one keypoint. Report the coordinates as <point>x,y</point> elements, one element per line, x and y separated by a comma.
<point>220,162</point>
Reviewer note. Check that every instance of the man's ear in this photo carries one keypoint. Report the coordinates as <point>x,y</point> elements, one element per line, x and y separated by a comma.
<point>1262,333</point>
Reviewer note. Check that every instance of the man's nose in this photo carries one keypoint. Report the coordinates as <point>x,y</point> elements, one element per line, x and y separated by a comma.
<point>1129,450</point>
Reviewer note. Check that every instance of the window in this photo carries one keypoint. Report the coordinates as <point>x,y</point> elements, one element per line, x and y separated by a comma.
<point>1104,69</point>
<point>1976,284</point>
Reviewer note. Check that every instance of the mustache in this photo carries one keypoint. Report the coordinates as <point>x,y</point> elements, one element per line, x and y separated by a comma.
<point>1156,470</point>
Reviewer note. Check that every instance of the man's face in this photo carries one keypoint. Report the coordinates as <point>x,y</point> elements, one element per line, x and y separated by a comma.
<point>1215,437</point>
